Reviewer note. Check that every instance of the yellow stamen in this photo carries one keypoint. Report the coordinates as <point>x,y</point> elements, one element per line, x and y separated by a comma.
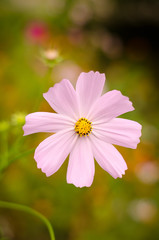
<point>83,127</point>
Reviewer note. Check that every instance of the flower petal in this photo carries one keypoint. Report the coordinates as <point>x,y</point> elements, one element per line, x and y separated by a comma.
<point>108,157</point>
<point>89,87</point>
<point>62,98</point>
<point>52,152</point>
<point>46,122</point>
<point>110,105</point>
<point>81,164</point>
<point>120,132</point>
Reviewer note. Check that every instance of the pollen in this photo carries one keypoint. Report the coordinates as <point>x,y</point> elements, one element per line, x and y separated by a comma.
<point>83,127</point>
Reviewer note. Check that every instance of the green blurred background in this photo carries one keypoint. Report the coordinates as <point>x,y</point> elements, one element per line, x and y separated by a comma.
<point>117,37</point>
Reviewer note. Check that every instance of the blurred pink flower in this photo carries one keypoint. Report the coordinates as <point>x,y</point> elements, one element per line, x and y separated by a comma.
<point>85,127</point>
<point>36,32</point>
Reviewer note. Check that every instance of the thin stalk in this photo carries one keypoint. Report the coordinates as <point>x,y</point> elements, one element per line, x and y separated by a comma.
<point>23,154</point>
<point>31,211</point>
<point>20,155</point>
<point>4,145</point>
<point>46,78</point>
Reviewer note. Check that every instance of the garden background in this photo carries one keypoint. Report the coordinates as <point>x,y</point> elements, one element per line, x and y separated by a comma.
<point>117,37</point>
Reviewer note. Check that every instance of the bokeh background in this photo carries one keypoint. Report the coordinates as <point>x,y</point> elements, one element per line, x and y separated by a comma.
<point>117,37</point>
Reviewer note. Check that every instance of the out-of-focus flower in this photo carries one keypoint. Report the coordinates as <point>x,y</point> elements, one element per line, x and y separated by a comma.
<point>148,172</point>
<point>51,57</point>
<point>109,43</point>
<point>4,126</point>
<point>81,13</point>
<point>103,9</point>
<point>18,119</point>
<point>6,228</point>
<point>51,54</point>
<point>142,210</point>
<point>67,69</point>
<point>85,126</point>
<point>37,32</point>
<point>76,36</point>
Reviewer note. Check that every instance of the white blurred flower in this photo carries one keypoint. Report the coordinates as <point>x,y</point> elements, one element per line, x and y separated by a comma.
<point>148,172</point>
<point>142,210</point>
<point>51,57</point>
<point>51,54</point>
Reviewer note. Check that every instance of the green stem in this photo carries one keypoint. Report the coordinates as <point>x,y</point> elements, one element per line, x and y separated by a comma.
<point>23,154</point>
<point>45,79</point>
<point>20,155</point>
<point>4,144</point>
<point>31,211</point>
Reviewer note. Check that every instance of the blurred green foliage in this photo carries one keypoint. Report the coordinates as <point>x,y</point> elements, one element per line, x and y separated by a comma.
<point>115,37</point>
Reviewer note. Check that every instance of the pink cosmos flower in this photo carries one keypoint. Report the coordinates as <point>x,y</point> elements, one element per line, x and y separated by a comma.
<point>85,126</point>
<point>37,32</point>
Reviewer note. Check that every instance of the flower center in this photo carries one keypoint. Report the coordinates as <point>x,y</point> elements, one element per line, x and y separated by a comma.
<point>83,127</point>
